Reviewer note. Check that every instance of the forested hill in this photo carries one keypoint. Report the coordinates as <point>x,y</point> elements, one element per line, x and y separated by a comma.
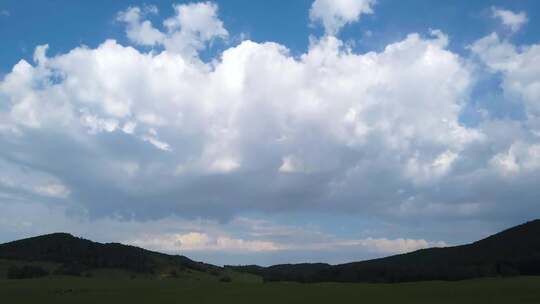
<point>78,254</point>
<point>515,251</point>
<point>512,252</point>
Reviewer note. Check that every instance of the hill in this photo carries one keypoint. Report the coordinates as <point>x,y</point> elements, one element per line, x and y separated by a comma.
<point>69,255</point>
<point>515,251</point>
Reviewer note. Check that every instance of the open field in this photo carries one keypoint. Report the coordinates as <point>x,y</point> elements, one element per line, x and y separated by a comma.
<point>95,290</point>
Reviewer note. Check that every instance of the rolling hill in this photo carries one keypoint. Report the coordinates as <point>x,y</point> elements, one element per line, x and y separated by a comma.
<point>515,251</point>
<point>69,255</point>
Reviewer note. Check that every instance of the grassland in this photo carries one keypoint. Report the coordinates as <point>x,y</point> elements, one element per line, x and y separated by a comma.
<point>99,290</point>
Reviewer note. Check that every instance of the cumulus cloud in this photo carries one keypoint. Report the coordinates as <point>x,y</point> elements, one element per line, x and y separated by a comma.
<point>514,21</point>
<point>162,132</point>
<point>188,31</point>
<point>257,112</point>
<point>519,67</point>
<point>334,14</point>
<point>520,156</point>
<point>141,31</point>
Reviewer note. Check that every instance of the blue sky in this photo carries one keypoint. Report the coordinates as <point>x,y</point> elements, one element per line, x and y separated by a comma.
<point>269,132</point>
<point>67,24</point>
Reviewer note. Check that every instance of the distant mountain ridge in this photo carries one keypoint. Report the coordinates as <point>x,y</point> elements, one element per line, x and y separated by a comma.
<point>78,254</point>
<point>515,251</point>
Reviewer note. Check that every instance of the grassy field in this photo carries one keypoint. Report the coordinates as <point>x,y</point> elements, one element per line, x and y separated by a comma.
<point>94,290</point>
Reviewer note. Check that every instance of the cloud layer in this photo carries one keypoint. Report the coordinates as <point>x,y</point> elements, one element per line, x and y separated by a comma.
<point>142,134</point>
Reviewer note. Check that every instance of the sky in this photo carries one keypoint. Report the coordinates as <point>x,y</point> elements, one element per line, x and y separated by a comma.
<point>266,132</point>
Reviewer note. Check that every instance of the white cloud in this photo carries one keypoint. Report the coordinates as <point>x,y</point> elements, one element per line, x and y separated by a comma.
<point>224,165</point>
<point>270,237</point>
<point>187,32</point>
<point>290,164</point>
<point>197,241</point>
<point>514,21</point>
<point>129,127</point>
<point>53,190</point>
<point>17,179</point>
<point>257,108</point>
<point>520,156</point>
<point>96,124</point>
<point>139,31</point>
<point>334,14</point>
<point>40,54</point>
<point>163,132</point>
<point>156,142</point>
<point>520,70</point>
<point>194,23</point>
<point>430,171</point>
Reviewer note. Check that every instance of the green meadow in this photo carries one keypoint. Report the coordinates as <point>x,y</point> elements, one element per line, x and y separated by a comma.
<point>55,289</point>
